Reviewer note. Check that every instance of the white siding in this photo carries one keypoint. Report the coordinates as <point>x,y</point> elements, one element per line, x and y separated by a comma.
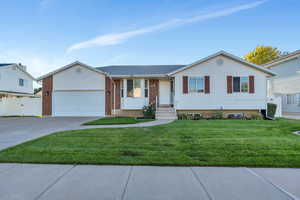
<point>20,106</point>
<point>78,91</point>
<point>134,103</point>
<point>288,85</point>
<point>72,79</point>
<point>9,80</point>
<point>218,97</point>
<point>294,106</point>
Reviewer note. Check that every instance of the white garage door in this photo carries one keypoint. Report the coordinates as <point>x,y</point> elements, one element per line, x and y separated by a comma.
<point>69,103</point>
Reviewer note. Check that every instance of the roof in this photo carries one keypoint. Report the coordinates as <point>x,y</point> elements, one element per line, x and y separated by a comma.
<point>17,93</point>
<point>69,66</point>
<point>282,59</point>
<point>139,70</point>
<point>153,70</point>
<point>224,53</point>
<point>19,67</point>
<point>6,64</point>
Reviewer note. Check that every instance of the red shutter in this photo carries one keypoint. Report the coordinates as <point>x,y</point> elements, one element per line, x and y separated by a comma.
<point>185,86</point>
<point>229,84</point>
<point>206,85</point>
<point>251,84</point>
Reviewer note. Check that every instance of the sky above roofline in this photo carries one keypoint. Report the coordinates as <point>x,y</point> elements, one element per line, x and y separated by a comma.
<point>47,34</point>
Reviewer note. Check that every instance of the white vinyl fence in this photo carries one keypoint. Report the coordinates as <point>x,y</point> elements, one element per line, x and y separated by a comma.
<point>24,106</point>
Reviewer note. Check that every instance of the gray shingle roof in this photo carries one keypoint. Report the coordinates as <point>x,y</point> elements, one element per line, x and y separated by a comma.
<point>5,64</point>
<point>128,70</point>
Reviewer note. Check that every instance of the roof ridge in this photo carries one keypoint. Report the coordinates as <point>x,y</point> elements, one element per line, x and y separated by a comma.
<point>283,57</point>
<point>143,65</point>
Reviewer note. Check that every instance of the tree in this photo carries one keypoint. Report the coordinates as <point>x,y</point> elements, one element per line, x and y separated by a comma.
<point>262,54</point>
<point>36,90</point>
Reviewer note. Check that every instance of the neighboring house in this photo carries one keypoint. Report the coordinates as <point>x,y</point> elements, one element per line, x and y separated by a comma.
<point>16,82</point>
<point>287,82</point>
<point>220,82</point>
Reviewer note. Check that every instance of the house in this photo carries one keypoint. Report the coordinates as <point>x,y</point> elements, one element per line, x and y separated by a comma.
<point>15,80</point>
<point>219,82</point>
<point>16,90</point>
<point>286,84</point>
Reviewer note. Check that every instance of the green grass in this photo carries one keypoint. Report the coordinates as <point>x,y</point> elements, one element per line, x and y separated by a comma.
<point>181,143</point>
<point>116,120</point>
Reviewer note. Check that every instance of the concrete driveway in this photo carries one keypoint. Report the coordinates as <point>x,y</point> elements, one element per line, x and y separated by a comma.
<point>61,182</point>
<point>17,130</point>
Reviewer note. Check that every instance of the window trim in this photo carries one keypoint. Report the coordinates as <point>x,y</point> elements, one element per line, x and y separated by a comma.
<point>133,80</point>
<point>197,91</point>
<point>146,89</point>
<point>292,100</point>
<point>240,77</point>
<point>122,89</point>
<point>21,80</point>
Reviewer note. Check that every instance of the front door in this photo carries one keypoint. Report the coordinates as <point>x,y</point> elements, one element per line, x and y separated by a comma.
<point>164,92</point>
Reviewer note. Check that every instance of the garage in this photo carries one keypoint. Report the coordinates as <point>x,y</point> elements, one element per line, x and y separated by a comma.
<point>78,103</point>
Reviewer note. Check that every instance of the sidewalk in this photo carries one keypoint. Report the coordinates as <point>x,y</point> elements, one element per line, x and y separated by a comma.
<point>48,182</point>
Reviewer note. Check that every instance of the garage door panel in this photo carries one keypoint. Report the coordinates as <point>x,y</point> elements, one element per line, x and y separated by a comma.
<point>67,103</point>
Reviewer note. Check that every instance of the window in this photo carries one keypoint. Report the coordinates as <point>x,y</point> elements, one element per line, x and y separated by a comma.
<point>21,82</point>
<point>134,88</point>
<point>291,98</point>
<point>240,84</point>
<point>196,84</point>
<point>146,88</point>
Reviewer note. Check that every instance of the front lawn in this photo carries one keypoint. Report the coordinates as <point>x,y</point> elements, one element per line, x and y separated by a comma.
<point>116,120</point>
<point>201,143</point>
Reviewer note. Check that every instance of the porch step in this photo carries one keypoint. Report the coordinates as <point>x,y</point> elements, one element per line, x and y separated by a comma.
<point>166,113</point>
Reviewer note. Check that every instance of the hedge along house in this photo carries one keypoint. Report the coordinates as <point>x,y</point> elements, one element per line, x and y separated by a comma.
<point>220,82</point>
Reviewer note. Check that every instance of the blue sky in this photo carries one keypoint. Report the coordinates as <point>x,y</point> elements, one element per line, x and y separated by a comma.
<point>47,34</point>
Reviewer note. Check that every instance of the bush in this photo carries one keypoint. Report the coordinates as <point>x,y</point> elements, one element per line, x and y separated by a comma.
<point>149,112</point>
<point>190,116</point>
<point>256,117</point>
<point>236,116</point>
<point>271,110</point>
<point>217,115</point>
<point>182,116</point>
<point>198,116</point>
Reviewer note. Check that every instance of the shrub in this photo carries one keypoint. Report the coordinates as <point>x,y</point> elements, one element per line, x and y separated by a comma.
<point>235,116</point>
<point>198,116</point>
<point>149,112</point>
<point>190,116</point>
<point>271,110</point>
<point>256,117</point>
<point>217,115</point>
<point>182,116</point>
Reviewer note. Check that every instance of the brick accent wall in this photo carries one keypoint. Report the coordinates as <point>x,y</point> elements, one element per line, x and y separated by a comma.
<point>153,90</point>
<point>47,95</point>
<point>108,95</point>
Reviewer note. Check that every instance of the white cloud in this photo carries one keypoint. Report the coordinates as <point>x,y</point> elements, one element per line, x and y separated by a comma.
<point>118,38</point>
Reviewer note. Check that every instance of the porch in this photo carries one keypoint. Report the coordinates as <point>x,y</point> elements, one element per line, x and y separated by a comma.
<point>130,95</point>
